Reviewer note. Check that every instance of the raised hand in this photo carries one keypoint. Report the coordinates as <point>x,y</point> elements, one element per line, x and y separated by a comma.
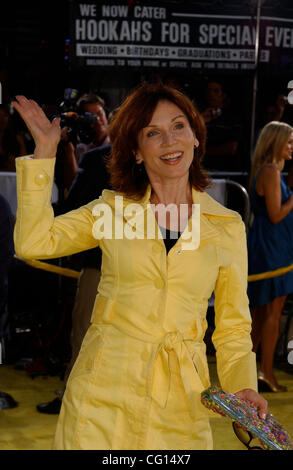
<point>46,134</point>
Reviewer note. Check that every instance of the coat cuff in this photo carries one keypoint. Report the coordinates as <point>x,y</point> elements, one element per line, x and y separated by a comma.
<point>241,375</point>
<point>35,174</point>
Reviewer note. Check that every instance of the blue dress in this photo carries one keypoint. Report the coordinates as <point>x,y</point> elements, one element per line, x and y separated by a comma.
<point>269,247</point>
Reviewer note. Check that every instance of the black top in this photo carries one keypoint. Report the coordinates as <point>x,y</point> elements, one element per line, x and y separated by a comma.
<point>170,237</point>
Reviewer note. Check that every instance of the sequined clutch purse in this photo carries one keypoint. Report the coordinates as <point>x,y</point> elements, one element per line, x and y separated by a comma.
<point>247,424</point>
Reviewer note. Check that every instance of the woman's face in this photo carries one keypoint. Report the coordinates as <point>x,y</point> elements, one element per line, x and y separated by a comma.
<point>286,153</point>
<point>166,144</point>
<point>101,124</point>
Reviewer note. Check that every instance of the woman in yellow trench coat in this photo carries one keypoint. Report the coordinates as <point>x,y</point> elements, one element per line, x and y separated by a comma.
<point>137,381</point>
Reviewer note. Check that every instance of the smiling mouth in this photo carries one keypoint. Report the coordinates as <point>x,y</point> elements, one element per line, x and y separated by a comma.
<point>172,158</point>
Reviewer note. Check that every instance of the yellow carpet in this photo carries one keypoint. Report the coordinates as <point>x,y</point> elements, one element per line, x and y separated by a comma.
<point>24,428</point>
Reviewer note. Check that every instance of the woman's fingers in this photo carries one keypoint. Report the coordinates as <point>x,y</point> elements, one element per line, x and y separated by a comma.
<point>22,102</point>
<point>256,399</point>
<point>21,98</point>
<point>24,108</point>
<point>31,112</point>
<point>35,107</point>
<point>27,107</point>
<point>45,133</point>
<point>18,105</point>
<point>262,405</point>
<point>56,122</point>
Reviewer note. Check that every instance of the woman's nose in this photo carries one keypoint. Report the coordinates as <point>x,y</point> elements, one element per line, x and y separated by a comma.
<point>168,137</point>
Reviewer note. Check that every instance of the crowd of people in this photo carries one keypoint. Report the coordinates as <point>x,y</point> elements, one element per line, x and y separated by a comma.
<point>120,156</point>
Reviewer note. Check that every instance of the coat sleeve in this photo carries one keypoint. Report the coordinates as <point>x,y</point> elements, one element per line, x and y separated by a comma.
<point>236,362</point>
<point>37,233</point>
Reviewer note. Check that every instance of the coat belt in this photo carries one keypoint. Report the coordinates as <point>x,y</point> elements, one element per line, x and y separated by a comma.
<point>160,383</point>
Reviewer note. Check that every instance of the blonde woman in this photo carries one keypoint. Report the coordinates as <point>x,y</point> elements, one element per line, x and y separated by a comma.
<point>270,243</point>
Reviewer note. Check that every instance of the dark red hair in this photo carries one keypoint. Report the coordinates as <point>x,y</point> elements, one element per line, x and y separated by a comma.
<point>133,115</point>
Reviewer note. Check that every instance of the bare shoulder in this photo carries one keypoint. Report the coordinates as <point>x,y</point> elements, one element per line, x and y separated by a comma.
<point>268,176</point>
<point>269,171</point>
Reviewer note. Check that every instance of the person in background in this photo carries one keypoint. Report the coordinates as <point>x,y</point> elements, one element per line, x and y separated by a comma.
<point>91,103</point>
<point>277,108</point>
<point>6,257</point>
<point>87,103</point>
<point>143,360</point>
<point>270,243</point>
<point>274,111</point>
<point>224,130</point>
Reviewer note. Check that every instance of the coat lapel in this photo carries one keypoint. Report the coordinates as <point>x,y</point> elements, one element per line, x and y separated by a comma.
<point>138,214</point>
<point>210,208</point>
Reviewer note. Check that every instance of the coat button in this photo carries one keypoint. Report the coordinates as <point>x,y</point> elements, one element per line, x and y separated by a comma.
<point>159,283</point>
<point>41,179</point>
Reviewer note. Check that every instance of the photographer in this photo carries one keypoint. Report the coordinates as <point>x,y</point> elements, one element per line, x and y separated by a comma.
<point>83,130</point>
<point>91,103</point>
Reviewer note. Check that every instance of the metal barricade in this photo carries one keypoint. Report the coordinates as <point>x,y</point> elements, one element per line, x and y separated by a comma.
<point>219,191</point>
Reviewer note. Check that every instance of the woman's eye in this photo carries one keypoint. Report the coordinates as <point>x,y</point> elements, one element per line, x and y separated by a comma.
<point>152,133</point>
<point>179,125</point>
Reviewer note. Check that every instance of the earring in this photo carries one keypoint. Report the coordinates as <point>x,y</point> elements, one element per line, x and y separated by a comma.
<point>137,170</point>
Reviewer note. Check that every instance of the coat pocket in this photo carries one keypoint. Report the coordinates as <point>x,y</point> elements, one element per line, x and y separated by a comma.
<point>89,357</point>
<point>201,365</point>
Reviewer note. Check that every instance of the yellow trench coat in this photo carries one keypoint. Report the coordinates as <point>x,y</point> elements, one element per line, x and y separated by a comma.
<point>136,383</point>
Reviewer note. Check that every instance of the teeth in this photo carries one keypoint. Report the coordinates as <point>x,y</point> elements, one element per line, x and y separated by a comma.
<point>171,155</point>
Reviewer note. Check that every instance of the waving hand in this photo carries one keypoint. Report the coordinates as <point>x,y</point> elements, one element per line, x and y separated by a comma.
<point>46,134</point>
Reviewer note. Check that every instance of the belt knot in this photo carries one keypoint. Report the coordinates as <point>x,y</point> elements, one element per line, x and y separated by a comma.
<point>172,338</point>
<point>160,380</point>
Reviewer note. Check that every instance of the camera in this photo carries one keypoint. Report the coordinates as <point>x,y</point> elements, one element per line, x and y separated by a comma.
<point>80,126</point>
